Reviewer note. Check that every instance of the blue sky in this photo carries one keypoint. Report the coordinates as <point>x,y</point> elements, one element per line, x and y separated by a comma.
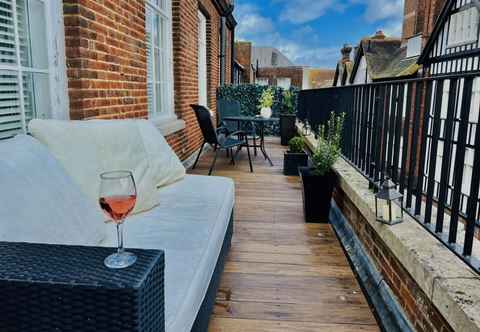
<point>311,32</point>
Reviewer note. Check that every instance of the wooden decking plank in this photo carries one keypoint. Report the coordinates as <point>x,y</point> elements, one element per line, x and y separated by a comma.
<point>332,260</point>
<point>319,312</point>
<point>282,274</point>
<point>220,324</point>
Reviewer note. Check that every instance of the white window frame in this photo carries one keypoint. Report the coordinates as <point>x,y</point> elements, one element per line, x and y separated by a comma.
<point>467,18</point>
<point>284,82</point>
<point>202,60</point>
<point>166,110</point>
<point>263,81</point>
<point>56,67</point>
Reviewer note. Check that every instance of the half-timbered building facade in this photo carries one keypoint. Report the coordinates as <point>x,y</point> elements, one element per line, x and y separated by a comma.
<point>454,44</point>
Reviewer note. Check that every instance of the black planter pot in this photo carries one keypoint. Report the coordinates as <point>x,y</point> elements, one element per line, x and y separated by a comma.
<point>317,194</point>
<point>287,127</point>
<point>292,161</point>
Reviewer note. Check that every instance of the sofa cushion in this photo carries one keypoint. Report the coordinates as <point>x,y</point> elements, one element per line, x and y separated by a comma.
<point>88,148</point>
<point>39,201</point>
<point>190,225</point>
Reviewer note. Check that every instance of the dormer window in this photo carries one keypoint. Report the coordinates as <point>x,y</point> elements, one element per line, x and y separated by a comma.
<point>463,27</point>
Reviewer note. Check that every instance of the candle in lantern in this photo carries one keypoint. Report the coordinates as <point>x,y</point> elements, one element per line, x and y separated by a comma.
<point>386,211</point>
<point>396,212</point>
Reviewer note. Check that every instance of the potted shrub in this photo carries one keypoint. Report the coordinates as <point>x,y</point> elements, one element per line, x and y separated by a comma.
<point>295,156</point>
<point>319,180</point>
<point>266,103</point>
<point>287,118</point>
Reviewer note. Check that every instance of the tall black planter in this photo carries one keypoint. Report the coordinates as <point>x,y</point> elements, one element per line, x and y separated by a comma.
<point>292,161</point>
<point>317,194</point>
<point>287,127</point>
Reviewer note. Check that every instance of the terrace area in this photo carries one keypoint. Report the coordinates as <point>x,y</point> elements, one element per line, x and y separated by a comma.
<point>370,221</point>
<point>282,274</point>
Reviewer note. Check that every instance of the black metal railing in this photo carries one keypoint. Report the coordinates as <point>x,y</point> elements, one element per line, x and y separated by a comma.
<point>424,135</point>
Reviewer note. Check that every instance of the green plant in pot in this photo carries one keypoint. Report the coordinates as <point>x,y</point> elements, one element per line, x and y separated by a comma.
<point>266,103</point>
<point>319,180</point>
<point>287,117</point>
<point>295,157</point>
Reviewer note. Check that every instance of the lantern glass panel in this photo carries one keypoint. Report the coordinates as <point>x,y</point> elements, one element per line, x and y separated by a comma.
<point>389,211</point>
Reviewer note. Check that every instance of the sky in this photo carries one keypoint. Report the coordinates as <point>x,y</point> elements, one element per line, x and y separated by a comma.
<point>312,32</point>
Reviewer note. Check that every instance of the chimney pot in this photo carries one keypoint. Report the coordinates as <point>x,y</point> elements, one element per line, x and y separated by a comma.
<point>379,35</point>
<point>346,50</point>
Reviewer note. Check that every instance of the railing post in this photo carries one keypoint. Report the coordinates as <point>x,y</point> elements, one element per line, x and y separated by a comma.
<point>433,150</point>
<point>398,132</point>
<point>428,86</point>
<point>412,174</point>
<point>406,137</point>
<point>447,152</point>
<point>460,158</point>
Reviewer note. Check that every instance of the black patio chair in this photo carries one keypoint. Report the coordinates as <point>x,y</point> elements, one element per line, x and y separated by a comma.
<point>220,138</point>
<point>226,108</point>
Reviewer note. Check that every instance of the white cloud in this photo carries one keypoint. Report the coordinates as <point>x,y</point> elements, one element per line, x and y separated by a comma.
<point>251,22</point>
<point>378,10</point>
<point>303,44</point>
<point>389,12</point>
<point>392,28</point>
<point>315,57</point>
<point>302,11</point>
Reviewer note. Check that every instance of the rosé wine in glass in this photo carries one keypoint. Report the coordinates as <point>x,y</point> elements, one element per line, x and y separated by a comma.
<point>118,207</point>
<point>118,195</point>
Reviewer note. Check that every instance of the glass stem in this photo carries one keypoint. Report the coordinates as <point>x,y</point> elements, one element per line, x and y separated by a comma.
<point>120,237</point>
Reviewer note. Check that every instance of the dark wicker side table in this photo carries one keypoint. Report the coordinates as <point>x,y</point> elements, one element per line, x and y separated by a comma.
<point>67,288</point>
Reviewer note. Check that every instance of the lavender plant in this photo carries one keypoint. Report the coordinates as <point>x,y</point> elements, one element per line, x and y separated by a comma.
<point>329,144</point>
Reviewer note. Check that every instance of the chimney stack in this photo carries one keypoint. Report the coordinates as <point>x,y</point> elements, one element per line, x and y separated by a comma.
<point>346,50</point>
<point>379,35</point>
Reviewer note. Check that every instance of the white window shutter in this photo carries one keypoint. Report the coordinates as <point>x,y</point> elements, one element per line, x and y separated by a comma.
<point>463,27</point>
<point>474,25</point>
<point>24,59</point>
<point>452,30</point>
<point>10,110</point>
<point>159,58</point>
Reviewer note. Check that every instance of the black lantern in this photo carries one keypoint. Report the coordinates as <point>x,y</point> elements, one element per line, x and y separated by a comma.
<point>388,204</point>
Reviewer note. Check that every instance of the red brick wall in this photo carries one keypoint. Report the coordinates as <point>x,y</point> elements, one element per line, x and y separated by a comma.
<point>409,19</point>
<point>431,15</point>
<point>419,310</point>
<point>420,17</point>
<point>185,56</point>
<point>106,61</point>
<point>243,54</point>
<point>295,73</point>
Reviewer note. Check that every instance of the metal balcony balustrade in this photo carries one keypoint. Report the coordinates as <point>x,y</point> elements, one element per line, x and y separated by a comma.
<point>422,133</point>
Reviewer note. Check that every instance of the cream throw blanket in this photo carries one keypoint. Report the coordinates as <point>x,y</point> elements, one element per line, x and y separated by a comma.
<point>88,148</point>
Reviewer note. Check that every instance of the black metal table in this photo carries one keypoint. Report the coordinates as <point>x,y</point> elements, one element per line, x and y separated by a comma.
<point>67,288</point>
<point>261,121</point>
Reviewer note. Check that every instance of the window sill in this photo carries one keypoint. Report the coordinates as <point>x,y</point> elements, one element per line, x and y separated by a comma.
<point>461,43</point>
<point>168,126</point>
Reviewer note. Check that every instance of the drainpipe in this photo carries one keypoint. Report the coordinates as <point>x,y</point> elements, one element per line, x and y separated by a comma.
<point>233,56</point>
<point>222,49</point>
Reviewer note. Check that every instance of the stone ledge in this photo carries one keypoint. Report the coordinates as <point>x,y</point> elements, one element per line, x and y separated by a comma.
<point>451,285</point>
<point>168,126</point>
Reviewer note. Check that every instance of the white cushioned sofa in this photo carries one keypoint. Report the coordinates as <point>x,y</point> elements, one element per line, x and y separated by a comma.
<point>191,218</point>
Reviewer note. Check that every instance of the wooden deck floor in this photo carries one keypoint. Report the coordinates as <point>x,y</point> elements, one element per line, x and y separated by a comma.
<point>283,274</point>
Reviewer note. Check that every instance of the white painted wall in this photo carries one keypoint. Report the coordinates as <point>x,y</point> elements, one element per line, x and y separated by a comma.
<point>361,77</point>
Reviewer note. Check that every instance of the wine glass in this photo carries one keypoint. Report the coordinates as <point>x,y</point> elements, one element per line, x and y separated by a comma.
<point>118,195</point>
